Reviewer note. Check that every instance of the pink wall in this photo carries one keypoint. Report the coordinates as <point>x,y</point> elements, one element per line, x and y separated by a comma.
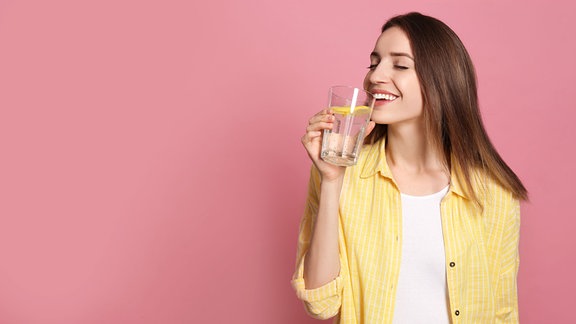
<point>151,170</point>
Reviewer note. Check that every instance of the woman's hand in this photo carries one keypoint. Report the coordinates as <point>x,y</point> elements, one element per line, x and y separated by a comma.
<point>312,142</point>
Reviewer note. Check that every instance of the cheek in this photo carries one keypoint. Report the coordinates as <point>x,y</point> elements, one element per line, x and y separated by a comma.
<point>411,94</point>
<point>367,81</point>
<point>412,87</point>
<point>418,94</point>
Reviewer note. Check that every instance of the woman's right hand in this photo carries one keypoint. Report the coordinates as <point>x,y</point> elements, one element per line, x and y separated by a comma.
<point>312,142</point>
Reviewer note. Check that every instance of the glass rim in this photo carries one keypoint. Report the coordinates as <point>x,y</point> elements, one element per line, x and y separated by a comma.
<point>348,87</point>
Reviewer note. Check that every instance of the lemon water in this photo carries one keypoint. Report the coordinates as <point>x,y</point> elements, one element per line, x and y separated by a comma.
<point>342,143</point>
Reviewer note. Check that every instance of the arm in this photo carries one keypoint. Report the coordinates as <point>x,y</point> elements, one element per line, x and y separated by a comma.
<point>317,280</point>
<point>318,277</point>
<point>506,293</point>
<point>322,260</point>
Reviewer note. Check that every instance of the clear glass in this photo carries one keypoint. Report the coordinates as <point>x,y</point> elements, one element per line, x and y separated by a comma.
<point>352,108</point>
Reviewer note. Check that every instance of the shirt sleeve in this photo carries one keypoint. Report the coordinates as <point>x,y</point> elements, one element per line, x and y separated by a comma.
<point>507,293</point>
<point>323,302</point>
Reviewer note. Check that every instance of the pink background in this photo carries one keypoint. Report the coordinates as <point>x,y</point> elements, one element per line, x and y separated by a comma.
<point>151,169</point>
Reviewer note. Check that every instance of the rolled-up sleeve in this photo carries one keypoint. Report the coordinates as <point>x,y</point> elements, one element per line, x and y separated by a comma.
<point>323,302</point>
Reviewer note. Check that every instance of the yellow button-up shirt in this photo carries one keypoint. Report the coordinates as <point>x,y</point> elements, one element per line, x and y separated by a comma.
<point>481,247</point>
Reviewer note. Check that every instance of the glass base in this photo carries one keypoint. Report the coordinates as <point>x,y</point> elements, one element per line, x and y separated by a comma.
<point>338,159</point>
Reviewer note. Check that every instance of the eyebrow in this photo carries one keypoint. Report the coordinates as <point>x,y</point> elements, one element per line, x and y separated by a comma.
<point>374,54</point>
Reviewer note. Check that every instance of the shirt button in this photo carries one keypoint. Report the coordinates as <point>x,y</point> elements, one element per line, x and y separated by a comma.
<point>457,312</point>
<point>452,264</point>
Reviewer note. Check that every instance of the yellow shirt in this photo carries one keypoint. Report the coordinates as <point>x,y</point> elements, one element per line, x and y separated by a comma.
<point>481,247</point>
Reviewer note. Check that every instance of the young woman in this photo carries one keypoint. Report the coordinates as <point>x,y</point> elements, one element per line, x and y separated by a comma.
<point>425,227</point>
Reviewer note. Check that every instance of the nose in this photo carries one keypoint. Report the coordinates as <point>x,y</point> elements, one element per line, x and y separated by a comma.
<point>380,74</point>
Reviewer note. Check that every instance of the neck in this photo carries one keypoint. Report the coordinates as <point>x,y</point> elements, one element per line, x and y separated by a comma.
<point>408,147</point>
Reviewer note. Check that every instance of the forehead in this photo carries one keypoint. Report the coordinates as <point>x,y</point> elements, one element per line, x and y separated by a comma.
<point>393,39</point>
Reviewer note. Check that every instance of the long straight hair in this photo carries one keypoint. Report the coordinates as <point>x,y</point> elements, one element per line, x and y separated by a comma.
<point>451,113</point>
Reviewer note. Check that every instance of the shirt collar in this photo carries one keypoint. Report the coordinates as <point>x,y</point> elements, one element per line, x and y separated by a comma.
<point>375,162</point>
<point>456,185</point>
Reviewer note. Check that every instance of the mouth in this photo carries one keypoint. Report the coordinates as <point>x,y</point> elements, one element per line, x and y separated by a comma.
<point>383,97</point>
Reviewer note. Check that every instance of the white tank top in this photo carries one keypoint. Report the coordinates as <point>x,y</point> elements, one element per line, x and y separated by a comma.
<point>422,295</point>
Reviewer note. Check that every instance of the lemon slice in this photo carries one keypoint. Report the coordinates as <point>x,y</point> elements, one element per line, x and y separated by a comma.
<point>358,110</point>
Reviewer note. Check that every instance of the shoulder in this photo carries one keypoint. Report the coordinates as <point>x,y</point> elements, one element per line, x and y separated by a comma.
<point>496,200</point>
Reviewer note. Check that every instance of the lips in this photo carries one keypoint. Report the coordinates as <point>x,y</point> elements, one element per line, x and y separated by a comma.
<point>383,97</point>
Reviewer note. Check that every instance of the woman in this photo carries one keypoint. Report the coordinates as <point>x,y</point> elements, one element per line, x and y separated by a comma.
<point>425,227</point>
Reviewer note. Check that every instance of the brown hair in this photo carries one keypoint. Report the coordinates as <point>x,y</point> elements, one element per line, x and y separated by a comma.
<point>451,113</point>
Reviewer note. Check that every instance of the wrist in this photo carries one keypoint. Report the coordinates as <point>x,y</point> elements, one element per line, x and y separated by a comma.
<point>332,181</point>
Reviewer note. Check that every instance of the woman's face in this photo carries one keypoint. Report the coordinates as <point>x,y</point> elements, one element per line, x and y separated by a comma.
<point>393,81</point>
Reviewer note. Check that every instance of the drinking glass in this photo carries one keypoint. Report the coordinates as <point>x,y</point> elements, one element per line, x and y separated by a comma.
<point>351,108</point>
